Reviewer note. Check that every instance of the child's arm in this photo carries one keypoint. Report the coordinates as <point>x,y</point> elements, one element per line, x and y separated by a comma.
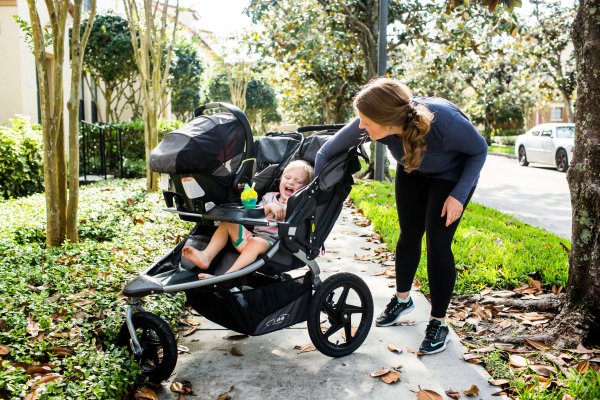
<point>277,210</point>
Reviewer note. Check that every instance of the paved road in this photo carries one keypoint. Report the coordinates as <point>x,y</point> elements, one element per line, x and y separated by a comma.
<point>537,195</point>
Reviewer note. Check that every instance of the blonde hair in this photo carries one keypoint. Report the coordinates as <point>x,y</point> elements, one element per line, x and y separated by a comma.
<point>387,102</point>
<point>303,165</point>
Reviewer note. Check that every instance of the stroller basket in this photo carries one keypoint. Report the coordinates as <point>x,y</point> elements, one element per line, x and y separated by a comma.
<point>273,305</point>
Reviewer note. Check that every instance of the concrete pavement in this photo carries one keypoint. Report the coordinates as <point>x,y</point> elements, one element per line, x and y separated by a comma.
<point>272,367</point>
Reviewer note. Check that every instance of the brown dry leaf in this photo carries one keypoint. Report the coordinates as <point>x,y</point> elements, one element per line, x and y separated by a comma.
<point>145,393</point>
<point>38,369</point>
<point>472,358</point>
<point>534,284</point>
<point>517,361</point>
<point>543,370</point>
<point>45,379</point>
<point>138,220</point>
<point>485,291</point>
<point>391,284</point>
<point>394,349</point>
<point>190,331</point>
<point>352,332</point>
<point>498,382</point>
<point>224,397</point>
<point>380,372</point>
<point>32,327</point>
<point>416,284</point>
<point>537,344</point>
<point>364,257</point>
<point>60,351</point>
<point>4,350</point>
<point>506,323</point>
<point>426,394</point>
<point>390,377</point>
<point>583,366</point>
<point>452,394</point>
<point>236,352</point>
<point>35,395</point>
<point>567,397</point>
<point>473,391</point>
<point>183,387</point>
<point>307,348</point>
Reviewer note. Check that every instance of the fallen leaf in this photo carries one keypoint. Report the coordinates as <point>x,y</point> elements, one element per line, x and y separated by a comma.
<point>60,351</point>
<point>145,393</point>
<point>498,382</point>
<point>183,387</point>
<point>567,397</point>
<point>390,377</point>
<point>4,350</point>
<point>536,344</point>
<point>182,349</point>
<point>426,394</point>
<point>45,379</point>
<point>452,394</point>
<point>394,349</point>
<point>236,352</point>
<point>472,358</point>
<point>380,372</point>
<point>583,366</point>
<point>473,391</point>
<point>38,369</point>
<point>190,331</point>
<point>307,348</point>
<point>543,370</point>
<point>517,361</point>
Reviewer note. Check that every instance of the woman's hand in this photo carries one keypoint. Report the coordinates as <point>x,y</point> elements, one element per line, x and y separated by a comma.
<point>276,210</point>
<point>452,209</point>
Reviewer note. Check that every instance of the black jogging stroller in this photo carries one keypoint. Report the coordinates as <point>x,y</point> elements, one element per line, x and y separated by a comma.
<point>203,167</point>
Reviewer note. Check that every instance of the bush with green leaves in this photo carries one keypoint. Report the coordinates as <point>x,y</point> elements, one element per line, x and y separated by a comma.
<point>61,307</point>
<point>21,160</point>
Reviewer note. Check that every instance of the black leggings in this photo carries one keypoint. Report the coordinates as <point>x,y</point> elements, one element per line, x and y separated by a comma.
<point>419,201</point>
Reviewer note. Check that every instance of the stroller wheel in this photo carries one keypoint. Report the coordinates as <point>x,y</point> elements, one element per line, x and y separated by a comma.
<point>158,343</point>
<point>340,315</point>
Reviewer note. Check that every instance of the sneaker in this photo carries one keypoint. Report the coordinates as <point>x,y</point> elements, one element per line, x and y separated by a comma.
<point>436,338</point>
<point>393,311</point>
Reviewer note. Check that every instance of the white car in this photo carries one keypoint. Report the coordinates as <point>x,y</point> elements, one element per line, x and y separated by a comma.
<point>550,144</point>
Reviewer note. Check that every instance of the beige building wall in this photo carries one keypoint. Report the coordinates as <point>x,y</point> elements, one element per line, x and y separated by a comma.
<point>17,71</point>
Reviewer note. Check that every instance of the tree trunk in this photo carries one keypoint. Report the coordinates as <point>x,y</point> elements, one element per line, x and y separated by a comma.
<point>579,317</point>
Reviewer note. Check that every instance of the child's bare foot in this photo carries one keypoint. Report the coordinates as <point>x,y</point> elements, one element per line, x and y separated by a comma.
<point>204,276</point>
<point>196,256</point>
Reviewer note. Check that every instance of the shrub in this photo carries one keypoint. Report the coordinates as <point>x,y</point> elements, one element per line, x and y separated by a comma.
<point>504,140</point>
<point>21,164</point>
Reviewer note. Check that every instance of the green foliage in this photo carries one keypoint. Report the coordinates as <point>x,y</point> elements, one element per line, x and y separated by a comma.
<point>261,100</point>
<point>27,30</point>
<point>69,296</point>
<point>21,164</point>
<point>186,71</point>
<point>491,249</point>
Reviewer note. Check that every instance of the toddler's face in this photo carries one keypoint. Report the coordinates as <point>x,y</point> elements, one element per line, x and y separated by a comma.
<point>291,181</point>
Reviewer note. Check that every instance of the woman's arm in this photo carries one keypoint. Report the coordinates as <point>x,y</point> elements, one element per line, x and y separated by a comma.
<point>347,137</point>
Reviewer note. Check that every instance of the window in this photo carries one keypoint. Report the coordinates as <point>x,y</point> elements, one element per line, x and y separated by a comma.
<point>556,114</point>
<point>565,131</point>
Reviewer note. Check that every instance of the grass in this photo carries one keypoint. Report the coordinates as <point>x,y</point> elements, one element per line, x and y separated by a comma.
<point>501,149</point>
<point>492,250</point>
<point>68,297</point>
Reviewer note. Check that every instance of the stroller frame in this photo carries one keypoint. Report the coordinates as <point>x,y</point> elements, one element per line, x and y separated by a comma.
<point>329,307</point>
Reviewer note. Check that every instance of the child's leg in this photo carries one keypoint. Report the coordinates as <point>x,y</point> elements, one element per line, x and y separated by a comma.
<point>255,247</point>
<point>202,259</point>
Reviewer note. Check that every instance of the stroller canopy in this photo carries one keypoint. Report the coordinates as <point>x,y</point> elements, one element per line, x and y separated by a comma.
<point>210,144</point>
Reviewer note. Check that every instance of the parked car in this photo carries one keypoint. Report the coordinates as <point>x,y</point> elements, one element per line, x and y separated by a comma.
<point>550,144</point>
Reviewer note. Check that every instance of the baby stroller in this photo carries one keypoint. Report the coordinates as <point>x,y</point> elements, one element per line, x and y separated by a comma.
<point>203,167</point>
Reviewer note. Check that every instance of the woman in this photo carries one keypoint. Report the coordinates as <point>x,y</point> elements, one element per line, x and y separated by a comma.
<point>439,154</point>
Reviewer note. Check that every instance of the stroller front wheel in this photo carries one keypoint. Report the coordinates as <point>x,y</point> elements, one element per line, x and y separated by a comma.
<point>341,314</point>
<point>159,347</point>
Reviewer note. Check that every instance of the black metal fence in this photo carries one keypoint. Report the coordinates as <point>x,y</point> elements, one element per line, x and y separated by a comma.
<point>100,151</point>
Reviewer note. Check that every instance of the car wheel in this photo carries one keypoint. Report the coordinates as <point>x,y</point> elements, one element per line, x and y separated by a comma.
<point>562,161</point>
<point>341,315</point>
<point>523,157</point>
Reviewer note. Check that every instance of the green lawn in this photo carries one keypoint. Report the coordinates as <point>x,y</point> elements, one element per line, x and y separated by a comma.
<point>497,251</point>
<point>501,149</point>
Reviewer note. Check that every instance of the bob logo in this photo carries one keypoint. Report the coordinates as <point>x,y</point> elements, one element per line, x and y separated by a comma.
<point>278,320</point>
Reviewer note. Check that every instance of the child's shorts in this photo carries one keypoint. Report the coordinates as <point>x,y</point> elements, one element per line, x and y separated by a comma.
<point>244,236</point>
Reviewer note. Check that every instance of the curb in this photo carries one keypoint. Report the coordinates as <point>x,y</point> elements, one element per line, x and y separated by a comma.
<point>514,157</point>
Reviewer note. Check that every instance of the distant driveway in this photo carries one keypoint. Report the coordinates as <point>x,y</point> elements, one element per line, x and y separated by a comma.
<point>536,195</point>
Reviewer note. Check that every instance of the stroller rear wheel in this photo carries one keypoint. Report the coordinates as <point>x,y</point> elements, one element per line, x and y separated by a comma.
<point>158,343</point>
<point>341,314</point>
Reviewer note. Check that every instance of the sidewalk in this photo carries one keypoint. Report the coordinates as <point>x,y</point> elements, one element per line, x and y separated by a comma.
<point>271,367</point>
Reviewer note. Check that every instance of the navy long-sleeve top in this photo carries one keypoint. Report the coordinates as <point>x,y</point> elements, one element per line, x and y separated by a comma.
<point>455,150</point>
